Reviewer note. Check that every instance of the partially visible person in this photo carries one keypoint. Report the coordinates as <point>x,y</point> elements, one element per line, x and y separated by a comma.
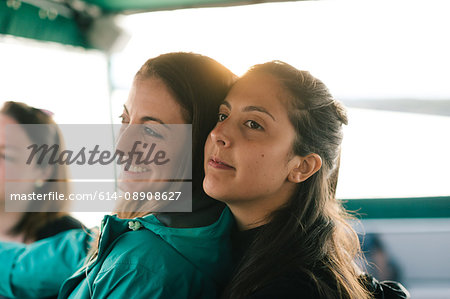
<point>165,255</point>
<point>381,264</point>
<point>28,227</point>
<point>273,158</point>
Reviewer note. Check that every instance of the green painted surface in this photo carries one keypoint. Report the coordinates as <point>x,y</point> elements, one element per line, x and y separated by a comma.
<point>26,21</point>
<point>417,207</point>
<point>153,5</point>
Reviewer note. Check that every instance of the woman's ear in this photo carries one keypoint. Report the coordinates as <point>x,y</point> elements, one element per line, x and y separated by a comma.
<point>304,168</point>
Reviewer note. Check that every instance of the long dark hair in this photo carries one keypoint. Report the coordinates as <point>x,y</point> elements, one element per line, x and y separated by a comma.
<point>310,233</point>
<point>31,222</point>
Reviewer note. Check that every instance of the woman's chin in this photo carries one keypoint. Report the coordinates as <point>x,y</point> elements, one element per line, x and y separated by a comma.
<point>212,192</point>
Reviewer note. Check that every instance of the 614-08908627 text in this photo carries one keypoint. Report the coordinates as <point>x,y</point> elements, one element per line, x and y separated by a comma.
<point>53,196</point>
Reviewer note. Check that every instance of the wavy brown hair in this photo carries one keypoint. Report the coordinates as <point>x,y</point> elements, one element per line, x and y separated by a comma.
<point>310,233</point>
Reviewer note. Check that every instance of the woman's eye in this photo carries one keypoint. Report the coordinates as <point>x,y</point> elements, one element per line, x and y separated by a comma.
<point>152,133</point>
<point>253,125</point>
<point>221,117</point>
<point>123,118</point>
<point>7,158</point>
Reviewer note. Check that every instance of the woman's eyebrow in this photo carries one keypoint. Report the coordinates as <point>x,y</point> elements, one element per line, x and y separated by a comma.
<point>258,109</point>
<point>151,118</point>
<point>147,118</point>
<point>225,103</point>
<point>250,108</point>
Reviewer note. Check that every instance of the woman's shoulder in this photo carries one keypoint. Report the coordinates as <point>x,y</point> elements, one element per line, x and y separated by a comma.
<point>143,256</point>
<point>167,253</point>
<point>143,249</point>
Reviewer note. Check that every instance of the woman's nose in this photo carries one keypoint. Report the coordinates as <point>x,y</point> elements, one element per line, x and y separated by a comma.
<point>128,135</point>
<point>220,135</point>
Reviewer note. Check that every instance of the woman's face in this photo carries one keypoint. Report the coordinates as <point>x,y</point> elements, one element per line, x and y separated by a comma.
<point>13,157</point>
<point>150,108</point>
<point>248,155</point>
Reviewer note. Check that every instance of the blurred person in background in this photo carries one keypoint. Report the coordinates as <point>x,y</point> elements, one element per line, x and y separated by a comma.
<point>28,227</point>
<point>382,265</point>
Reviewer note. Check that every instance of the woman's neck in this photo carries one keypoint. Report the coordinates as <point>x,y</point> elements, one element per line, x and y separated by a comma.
<point>7,222</point>
<point>247,218</point>
<point>251,213</point>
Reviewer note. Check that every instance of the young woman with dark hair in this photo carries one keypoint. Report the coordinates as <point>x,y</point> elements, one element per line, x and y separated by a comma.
<point>273,158</point>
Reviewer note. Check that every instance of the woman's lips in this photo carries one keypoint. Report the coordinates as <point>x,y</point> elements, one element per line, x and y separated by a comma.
<point>134,170</point>
<point>217,163</point>
<point>138,169</point>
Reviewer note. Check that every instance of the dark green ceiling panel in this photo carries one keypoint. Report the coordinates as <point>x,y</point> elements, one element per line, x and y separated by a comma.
<point>30,22</point>
<point>154,5</point>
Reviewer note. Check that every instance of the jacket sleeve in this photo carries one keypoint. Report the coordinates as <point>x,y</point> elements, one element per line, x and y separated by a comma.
<point>39,269</point>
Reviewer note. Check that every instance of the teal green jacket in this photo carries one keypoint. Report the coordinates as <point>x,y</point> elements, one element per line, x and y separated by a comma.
<point>142,258</point>
<point>38,270</point>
